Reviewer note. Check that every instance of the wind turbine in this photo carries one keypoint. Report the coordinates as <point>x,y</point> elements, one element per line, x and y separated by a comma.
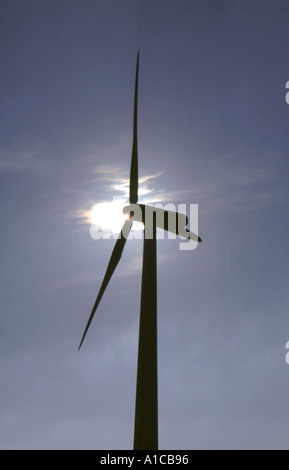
<point>146,405</point>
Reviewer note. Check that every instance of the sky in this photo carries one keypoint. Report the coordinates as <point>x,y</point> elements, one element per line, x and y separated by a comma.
<point>212,130</point>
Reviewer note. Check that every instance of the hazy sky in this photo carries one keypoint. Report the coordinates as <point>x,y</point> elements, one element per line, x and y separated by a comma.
<point>213,130</point>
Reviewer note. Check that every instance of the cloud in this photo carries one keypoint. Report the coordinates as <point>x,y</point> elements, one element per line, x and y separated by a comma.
<point>106,169</point>
<point>117,180</point>
<point>144,179</point>
<point>174,196</point>
<point>82,217</point>
<point>241,188</point>
<point>34,161</point>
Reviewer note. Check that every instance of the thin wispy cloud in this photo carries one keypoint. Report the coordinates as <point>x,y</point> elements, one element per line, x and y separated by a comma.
<point>115,178</point>
<point>82,217</point>
<point>122,184</point>
<point>175,196</point>
<point>34,161</point>
<point>118,179</point>
<point>106,170</point>
<point>242,187</point>
<point>144,179</point>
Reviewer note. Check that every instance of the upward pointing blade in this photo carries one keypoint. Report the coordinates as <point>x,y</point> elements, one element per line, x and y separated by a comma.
<point>113,262</point>
<point>133,186</point>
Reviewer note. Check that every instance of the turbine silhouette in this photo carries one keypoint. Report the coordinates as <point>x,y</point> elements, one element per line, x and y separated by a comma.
<point>146,405</point>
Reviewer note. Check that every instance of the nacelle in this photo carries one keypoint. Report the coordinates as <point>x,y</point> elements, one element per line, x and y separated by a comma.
<point>173,222</point>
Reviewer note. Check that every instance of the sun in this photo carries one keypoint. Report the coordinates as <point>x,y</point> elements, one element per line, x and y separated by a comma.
<point>108,215</point>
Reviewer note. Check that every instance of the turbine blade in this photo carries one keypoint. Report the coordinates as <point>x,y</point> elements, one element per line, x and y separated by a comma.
<point>133,184</point>
<point>113,262</point>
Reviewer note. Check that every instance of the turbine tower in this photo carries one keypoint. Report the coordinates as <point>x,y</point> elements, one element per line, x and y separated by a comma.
<point>146,404</point>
